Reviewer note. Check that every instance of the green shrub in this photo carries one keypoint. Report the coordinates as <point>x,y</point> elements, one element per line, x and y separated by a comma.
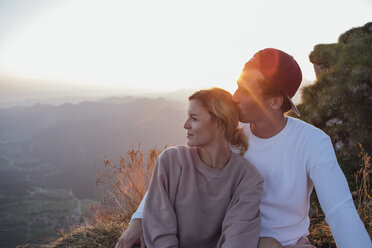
<point>340,101</point>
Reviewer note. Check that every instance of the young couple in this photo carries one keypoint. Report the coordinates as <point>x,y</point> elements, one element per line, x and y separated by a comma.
<point>205,195</point>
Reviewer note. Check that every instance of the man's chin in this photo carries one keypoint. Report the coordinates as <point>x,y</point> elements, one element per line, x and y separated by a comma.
<point>243,119</point>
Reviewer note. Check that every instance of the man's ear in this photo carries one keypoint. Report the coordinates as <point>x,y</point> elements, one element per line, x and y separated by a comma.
<point>277,101</point>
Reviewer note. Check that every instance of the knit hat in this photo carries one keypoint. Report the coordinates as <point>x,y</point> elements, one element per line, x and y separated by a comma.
<point>280,69</point>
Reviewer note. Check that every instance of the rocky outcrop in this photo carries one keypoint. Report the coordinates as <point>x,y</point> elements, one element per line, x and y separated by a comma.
<point>325,56</point>
<point>343,92</point>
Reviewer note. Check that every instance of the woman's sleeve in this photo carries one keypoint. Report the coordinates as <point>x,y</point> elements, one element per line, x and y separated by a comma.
<point>159,219</point>
<point>242,222</point>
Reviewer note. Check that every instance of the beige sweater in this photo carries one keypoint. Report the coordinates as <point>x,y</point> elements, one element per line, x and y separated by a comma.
<point>192,205</point>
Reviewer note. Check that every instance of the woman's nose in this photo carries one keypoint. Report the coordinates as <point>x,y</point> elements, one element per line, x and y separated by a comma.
<point>186,125</point>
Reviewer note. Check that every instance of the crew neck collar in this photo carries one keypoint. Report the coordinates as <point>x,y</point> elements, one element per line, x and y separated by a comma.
<point>207,169</point>
<point>277,136</point>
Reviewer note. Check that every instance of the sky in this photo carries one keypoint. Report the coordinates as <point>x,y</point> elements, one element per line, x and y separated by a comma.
<point>79,47</point>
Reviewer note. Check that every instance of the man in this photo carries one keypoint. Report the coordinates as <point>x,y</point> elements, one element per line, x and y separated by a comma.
<point>293,157</point>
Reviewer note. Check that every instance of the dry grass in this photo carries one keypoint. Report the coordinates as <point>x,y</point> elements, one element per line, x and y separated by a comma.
<point>122,186</point>
<point>320,233</point>
<point>362,180</point>
<point>98,235</point>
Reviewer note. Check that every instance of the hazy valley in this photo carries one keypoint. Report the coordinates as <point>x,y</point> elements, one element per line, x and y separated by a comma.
<point>48,154</point>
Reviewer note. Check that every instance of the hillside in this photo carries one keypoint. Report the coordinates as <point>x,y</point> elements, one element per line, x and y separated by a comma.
<point>48,156</point>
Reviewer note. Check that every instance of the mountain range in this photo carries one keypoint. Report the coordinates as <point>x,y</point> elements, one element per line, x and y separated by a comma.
<point>59,145</point>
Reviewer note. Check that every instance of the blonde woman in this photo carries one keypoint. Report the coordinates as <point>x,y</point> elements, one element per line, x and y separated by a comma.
<point>202,194</point>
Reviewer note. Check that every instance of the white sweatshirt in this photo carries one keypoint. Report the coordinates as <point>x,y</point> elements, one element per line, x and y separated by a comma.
<point>292,162</point>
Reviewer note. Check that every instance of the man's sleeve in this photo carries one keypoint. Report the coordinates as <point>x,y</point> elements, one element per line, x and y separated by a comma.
<point>139,213</point>
<point>334,196</point>
<point>242,222</point>
<point>159,221</point>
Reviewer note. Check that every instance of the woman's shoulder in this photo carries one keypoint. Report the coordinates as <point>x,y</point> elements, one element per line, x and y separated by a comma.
<point>174,151</point>
<point>177,155</point>
<point>246,169</point>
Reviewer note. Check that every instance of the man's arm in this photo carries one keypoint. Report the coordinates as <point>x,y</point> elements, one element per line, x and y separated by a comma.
<point>335,198</point>
<point>132,236</point>
<point>139,213</point>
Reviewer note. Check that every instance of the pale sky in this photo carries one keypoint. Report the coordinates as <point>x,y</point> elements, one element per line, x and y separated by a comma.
<point>161,45</point>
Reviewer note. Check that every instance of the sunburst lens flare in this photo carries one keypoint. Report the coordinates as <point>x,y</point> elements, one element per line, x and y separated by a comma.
<point>248,82</point>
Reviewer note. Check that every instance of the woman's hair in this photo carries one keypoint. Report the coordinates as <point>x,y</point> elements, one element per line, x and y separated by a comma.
<point>224,111</point>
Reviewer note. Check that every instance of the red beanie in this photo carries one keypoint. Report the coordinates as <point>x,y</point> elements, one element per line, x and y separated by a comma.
<point>280,69</point>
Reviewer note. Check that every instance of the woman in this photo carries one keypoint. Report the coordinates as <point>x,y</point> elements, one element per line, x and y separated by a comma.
<point>203,195</point>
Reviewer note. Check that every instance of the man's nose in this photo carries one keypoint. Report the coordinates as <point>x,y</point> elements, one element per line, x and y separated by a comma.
<point>235,96</point>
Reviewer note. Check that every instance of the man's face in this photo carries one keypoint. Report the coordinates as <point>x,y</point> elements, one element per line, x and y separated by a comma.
<point>253,105</point>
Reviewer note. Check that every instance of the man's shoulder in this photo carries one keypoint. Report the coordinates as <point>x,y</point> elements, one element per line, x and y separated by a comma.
<point>300,127</point>
<point>308,137</point>
<point>296,128</point>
